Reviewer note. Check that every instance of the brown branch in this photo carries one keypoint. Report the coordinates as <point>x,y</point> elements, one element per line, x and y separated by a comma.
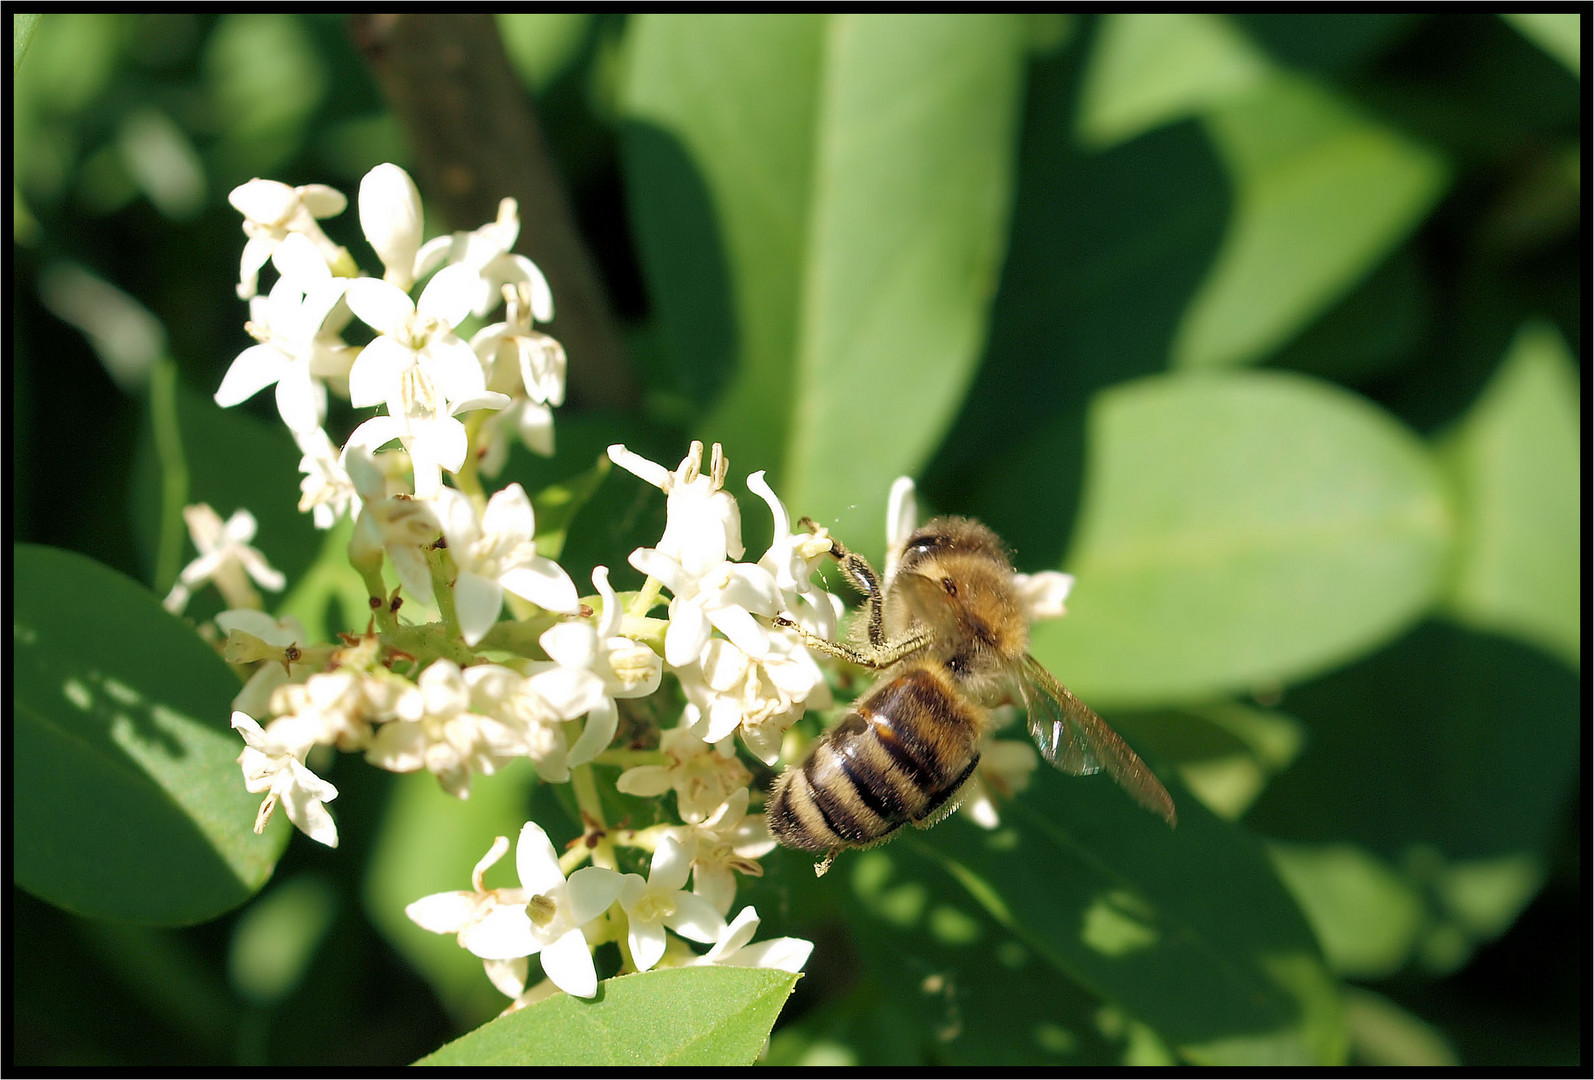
<point>474,136</point>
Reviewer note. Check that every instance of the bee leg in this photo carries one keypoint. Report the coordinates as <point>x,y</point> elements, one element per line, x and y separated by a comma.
<point>823,865</point>
<point>876,658</point>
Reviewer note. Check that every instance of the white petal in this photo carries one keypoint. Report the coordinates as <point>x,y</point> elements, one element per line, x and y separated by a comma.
<point>381,305</point>
<point>694,917</point>
<point>300,263</point>
<point>568,963</point>
<point>785,954</point>
<point>745,632</point>
<point>688,632</point>
<point>502,934</point>
<point>375,432</point>
<point>453,364</point>
<point>450,295</point>
<point>374,376</point>
<point>458,517</point>
<point>390,216</point>
<point>254,369</point>
<point>602,722</point>
<point>478,601</point>
<point>322,201</point>
<point>266,201</point>
<point>572,644</point>
<point>507,976</point>
<point>509,513</point>
<point>637,465</point>
<point>593,889</point>
<point>670,865</point>
<point>298,403</point>
<point>543,582</point>
<point>536,862</point>
<point>609,618</point>
<point>647,943</point>
<point>444,912</point>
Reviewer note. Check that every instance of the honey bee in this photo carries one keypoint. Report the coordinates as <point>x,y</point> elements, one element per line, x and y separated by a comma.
<point>950,638</point>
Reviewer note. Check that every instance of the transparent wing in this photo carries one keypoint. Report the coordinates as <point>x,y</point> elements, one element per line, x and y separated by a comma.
<point>1076,740</point>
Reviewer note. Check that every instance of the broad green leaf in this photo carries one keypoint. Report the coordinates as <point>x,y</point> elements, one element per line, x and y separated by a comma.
<point>822,206</point>
<point>709,1016</point>
<point>127,801</point>
<point>1187,930</point>
<point>1322,195</point>
<point>1446,759</point>
<point>543,44</point>
<point>1558,33</point>
<point>1148,69</point>
<point>1241,529</point>
<point>1515,458</point>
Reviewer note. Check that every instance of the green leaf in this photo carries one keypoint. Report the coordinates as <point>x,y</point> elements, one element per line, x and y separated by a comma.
<point>1146,70</point>
<point>1516,461</point>
<point>1187,930</point>
<point>1322,196</point>
<point>821,206</point>
<point>1558,33</point>
<point>708,1016</point>
<point>1368,916</point>
<point>126,795</point>
<point>1238,529</point>
<point>22,31</point>
<point>1447,759</point>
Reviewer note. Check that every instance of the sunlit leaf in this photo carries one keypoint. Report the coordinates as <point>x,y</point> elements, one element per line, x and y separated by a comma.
<point>1187,930</point>
<point>125,775</point>
<point>1238,530</point>
<point>710,1016</point>
<point>1322,195</point>
<point>1516,458</point>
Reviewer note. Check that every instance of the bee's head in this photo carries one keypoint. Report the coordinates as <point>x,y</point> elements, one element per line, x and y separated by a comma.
<point>955,578</point>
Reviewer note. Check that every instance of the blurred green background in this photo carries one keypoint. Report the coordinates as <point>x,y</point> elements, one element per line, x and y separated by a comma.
<point>1267,327</point>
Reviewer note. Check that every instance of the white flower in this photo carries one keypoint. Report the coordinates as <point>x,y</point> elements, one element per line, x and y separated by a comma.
<point>297,329</point>
<point>729,841</point>
<point>661,901</point>
<point>702,775</point>
<point>273,762</point>
<point>732,948</point>
<point>272,212</point>
<point>495,553</point>
<point>415,343</point>
<point>401,526</point>
<point>761,696</point>
<point>534,708</point>
<point>723,599</point>
<point>338,707</point>
<point>390,216</point>
<point>623,668</point>
<point>791,560</point>
<point>436,730</point>
<point>703,526</point>
<point>485,255</point>
<point>326,490</point>
<point>225,558</point>
<point>519,357</point>
<point>549,921</point>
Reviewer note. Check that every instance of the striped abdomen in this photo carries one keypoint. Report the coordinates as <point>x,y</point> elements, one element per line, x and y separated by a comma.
<point>900,756</point>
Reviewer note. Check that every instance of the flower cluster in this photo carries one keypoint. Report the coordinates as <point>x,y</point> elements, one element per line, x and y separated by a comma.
<point>470,691</point>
